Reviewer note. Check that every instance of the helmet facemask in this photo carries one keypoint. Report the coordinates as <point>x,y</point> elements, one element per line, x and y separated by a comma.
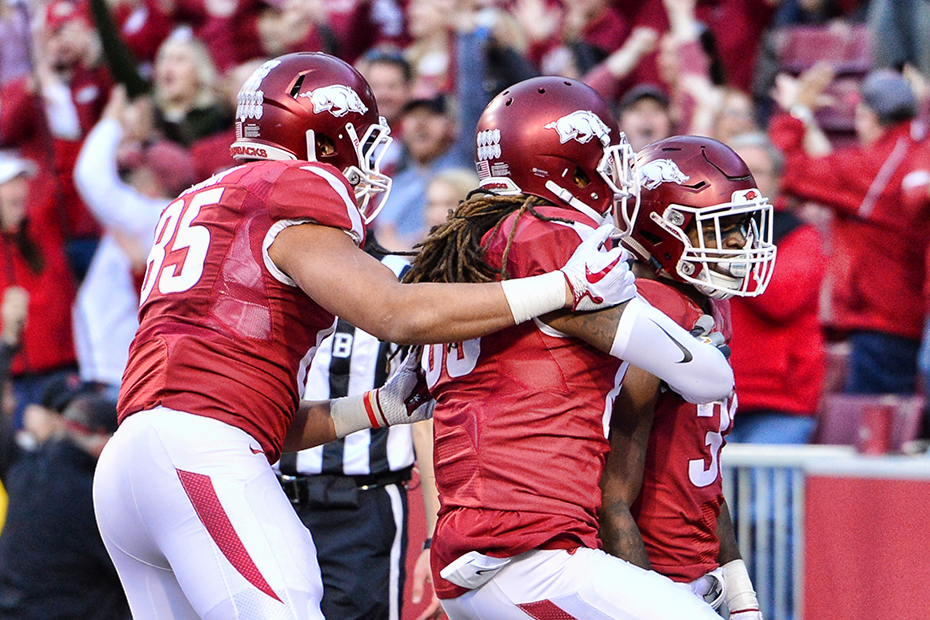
<point>616,168</point>
<point>707,263</point>
<point>366,177</point>
<point>620,170</point>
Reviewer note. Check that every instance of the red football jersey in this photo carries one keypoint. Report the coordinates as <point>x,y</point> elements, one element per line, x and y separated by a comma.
<point>520,420</point>
<point>222,332</point>
<point>682,492</point>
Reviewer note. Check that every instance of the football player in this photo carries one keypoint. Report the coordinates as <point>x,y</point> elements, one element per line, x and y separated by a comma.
<point>521,416</point>
<point>246,275</point>
<point>702,233</point>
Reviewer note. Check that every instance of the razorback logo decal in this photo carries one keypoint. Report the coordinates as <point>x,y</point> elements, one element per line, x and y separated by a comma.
<point>581,125</point>
<point>337,99</point>
<point>746,195</point>
<point>655,173</point>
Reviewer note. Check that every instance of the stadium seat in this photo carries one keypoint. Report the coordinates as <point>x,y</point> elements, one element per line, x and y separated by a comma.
<point>848,50</point>
<point>874,424</point>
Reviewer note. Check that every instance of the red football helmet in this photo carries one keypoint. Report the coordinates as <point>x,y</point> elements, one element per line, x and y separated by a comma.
<point>700,218</point>
<point>555,138</point>
<point>314,107</point>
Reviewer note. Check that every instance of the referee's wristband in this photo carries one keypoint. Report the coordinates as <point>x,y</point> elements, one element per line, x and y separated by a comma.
<point>427,543</point>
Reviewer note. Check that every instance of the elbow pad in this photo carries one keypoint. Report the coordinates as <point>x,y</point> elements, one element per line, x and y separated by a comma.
<point>648,339</point>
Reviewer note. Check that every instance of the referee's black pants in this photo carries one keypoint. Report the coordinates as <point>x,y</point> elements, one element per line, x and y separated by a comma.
<point>359,548</point>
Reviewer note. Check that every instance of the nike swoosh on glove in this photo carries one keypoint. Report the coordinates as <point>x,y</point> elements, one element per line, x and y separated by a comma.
<point>599,278</point>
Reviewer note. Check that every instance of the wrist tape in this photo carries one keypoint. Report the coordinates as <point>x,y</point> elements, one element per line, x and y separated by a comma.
<point>535,295</point>
<point>356,413</point>
<point>739,592</point>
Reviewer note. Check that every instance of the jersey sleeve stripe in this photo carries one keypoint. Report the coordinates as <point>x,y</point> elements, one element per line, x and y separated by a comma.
<point>271,235</point>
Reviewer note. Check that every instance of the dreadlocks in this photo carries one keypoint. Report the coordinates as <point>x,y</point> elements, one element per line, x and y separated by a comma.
<point>453,252</point>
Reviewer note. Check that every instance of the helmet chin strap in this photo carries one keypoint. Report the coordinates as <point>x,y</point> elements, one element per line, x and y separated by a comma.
<point>568,197</point>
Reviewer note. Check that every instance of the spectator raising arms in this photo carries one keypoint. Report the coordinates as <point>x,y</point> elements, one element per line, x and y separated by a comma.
<point>107,304</point>
<point>878,241</point>
<point>46,115</point>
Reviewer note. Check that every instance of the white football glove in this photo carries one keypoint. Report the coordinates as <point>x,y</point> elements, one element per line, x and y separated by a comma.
<point>404,399</point>
<point>702,330</point>
<point>599,278</point>
<point>738,592</point>
<point>710,587</point>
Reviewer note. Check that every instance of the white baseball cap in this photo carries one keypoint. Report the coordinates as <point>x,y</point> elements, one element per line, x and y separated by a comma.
<point>12,166</point>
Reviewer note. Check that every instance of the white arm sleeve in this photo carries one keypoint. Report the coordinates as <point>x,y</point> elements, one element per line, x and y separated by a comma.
<point>650,340</point>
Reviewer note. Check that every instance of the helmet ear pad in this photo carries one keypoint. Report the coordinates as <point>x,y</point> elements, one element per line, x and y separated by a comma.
<point>698,185</point>
<point>548,136</point>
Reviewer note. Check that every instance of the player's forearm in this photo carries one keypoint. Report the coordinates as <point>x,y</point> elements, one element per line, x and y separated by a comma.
<point>729,550</point>
<point>620,535</point>
<point>312,426</point>
<point>436,313</point>
<point>433,312</point>
<point>648,339</point>
<point>423,445</point>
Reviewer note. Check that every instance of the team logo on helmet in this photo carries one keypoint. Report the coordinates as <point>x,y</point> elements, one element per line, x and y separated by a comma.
<point>337,99</point>
<point>655,173</point>
<point>746,195</point>
<point>250,99</point>
<point>581,126</point>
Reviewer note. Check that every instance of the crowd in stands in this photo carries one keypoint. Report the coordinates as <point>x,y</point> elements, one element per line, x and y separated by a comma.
<point>110,108</point>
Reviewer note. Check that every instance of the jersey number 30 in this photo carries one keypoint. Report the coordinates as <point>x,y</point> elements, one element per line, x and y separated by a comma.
<point>176,231</point>
<point>699,476</point>
<point>459,359</point>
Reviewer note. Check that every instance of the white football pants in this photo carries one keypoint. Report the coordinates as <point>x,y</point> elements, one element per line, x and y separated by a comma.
<point>585,585</point>
<point>197,524</point>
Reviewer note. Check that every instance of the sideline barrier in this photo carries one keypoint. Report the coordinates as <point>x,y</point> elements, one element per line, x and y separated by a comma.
<point>765,490</point>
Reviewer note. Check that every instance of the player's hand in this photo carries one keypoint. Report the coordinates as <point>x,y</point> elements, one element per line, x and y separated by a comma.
<point>599,278</point>
<point>710,587</point>
<point>405,398</point>
<point>703,331</point>
<point>423,584</point>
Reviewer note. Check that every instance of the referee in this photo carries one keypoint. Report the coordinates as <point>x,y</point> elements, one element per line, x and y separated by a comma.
<point>352,493</point>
